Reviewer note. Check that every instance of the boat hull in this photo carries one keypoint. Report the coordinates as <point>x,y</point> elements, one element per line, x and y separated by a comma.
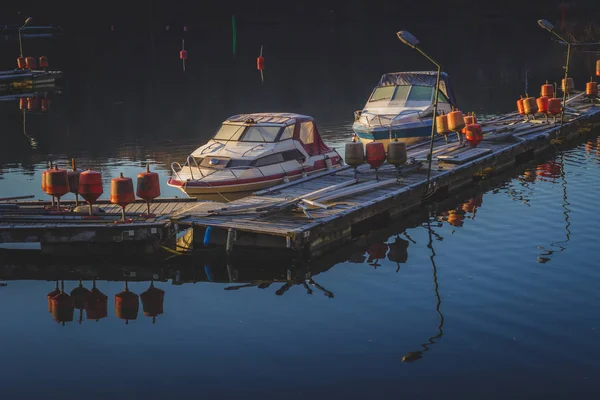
<point>409,133</point>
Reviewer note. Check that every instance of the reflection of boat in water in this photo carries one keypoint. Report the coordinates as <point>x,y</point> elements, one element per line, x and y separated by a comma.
<point>401,106</point>
<point>250,152</point>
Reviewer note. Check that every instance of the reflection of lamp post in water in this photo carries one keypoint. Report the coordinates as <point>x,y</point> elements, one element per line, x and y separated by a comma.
<point>32,141</point>
<point>415,355</point>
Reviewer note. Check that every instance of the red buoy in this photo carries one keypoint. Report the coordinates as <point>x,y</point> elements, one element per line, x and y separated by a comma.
<point>260,63</point>
<point>32,103</point>
<point>520,107</point>
<point>45,104</point>
<point>554,106</point>
<point>73,176</point>
<point>43,62</point>
<point>547,90</point>
<point>97,305</point>
<point>57,183</point>
<point>126,305</point>
<point>148,186</point>
<point>183,55</point>
<point>31,62</point>
<point>21,62</point>
<point>375,155</point>
<point>90,186</point>
<point>152,302</point>
<point>473,134</point>
<point>542,104</point>
<point>51,295</point>
<point>121,192</point>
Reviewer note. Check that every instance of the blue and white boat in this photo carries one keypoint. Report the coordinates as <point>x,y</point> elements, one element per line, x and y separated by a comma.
<point>401,106</point>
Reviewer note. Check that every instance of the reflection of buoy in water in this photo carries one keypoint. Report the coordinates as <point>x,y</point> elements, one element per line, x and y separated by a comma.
<point>376,252</point>
<point>126,305</point>
<point>398,251</point>
<point>62,306</point>
<point>80,297</point>
<point>53,293</point>
<point>97,304</point>
<point>550,170</point>
<point>472,204</point>
<point>456,218</point>
<point>152,302</point>
<point>529,176</point>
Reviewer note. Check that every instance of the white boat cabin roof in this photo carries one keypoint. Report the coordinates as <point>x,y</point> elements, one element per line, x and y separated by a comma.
<point>268,118</point>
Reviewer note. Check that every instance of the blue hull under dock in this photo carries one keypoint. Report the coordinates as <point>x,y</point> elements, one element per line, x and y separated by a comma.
<point>408,134</point>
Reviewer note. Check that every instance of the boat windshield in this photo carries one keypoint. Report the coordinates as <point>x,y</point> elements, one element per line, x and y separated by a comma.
<point>393,93</point>
<point>229,132</point>
<point>420,93</point>
<point>243,133</point>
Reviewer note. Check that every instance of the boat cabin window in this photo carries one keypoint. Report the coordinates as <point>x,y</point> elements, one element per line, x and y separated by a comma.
<point>229,132</point>
<point>307,132</point>
<point>259,133</point>
<point>382,93</point>
<point>442,97</point>
<point>287,133</point>
<point>420,93</point>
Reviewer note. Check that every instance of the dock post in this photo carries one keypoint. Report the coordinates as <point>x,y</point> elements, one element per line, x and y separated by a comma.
<point>231,236</point>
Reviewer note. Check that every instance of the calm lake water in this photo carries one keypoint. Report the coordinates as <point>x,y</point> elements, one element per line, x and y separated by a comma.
<point>492,294</point>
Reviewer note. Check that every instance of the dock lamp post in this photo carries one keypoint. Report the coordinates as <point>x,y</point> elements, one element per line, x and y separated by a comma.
<point>408,39</point>
<point>550,28</point>
<point>28,20</point>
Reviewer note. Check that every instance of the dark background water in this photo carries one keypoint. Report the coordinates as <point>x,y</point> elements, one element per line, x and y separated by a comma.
<point>495,291</point>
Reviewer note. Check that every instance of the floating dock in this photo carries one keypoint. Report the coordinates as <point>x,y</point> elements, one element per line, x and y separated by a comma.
<point>312,215</point>
<point>32,225</point>
<point>20,80</point>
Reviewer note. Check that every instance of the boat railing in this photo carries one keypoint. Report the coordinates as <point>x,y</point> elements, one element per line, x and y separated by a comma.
<point>177,168</point>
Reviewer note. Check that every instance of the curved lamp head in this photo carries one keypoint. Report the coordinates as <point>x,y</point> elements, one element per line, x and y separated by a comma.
<point>407,38</point>
<point>28,20</point>
<point>545,25</point>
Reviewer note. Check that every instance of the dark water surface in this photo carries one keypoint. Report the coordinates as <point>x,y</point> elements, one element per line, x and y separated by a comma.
<point>490,295</point>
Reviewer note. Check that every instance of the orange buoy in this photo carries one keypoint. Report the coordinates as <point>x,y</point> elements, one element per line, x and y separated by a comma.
<point>441,124</point>
<point>570,86</point>
<point>591,88</point>
<point>375,155</point>
<point>469,119</point>
<point>554,106</point>
<point>45,104</point>
<point>73,176</point>
<point>473,134</point>
<point>152,302</point>
<point>62,307</point>
<point>260,63</point>
<point>97,305</point>
<point>520,108</point>
<point>53,293</point>
<point>90,186</point>
<point>529,105</point>
<point>547,90</point>
<point>598,68</point>
<point>126,305</point>
<point>32,103</point>
<point>121,192</point>
<point>31,62</point>
<point>22,103</point>
<point>542,104</point>
<point>21,62</point>
<point>148,186</point>
<point>43,62</point>
<point>456,121</point>
<point>183,55</point>
<point>57,183</point>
